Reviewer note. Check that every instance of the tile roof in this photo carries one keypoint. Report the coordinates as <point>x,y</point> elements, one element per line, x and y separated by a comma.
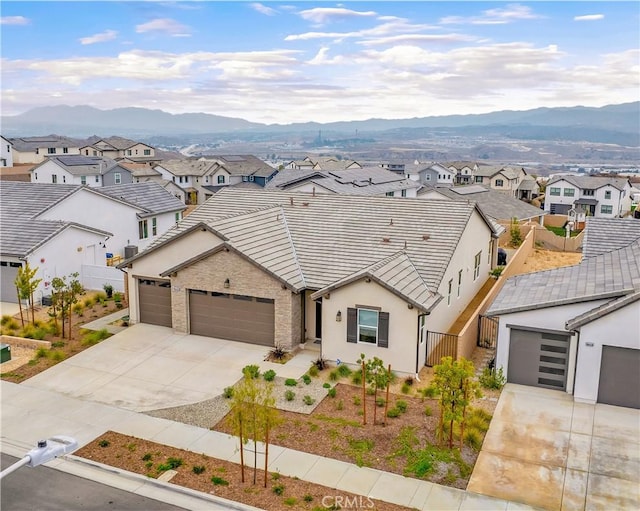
<point>187,167</point>
<point>495,204</point>
<point>459,165</point>
<point>81,165</point>
<point>244,165</point>
<point>119,143</point>
<point>329,237</point>
<point>602,310</point>
<point>150,196</point>
<point>490,171</point>
<point>591,182</point>
<point>24,144</point>
<point>608,275</point>
<point>608,234</point>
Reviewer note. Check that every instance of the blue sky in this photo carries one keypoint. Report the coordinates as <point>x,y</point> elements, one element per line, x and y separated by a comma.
<point>283,62</point>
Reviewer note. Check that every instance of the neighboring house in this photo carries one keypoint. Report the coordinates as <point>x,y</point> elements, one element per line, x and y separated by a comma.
<point>606,197</point>
<point>528,189</point>
<point>358,181</point>
<point>431,175</point>
<point>503,179</point>
<point>132,215</point>
<point>496,205</point>
<point>327,163</point>
<point>118,147</point>
<point>465,171</point>
<point>400,167</point>
<point>576,329</point>
<point>37,149</point>
<point>92,171</point>
<point>300,165</point>
<point>6,156</point>
<point>190,175</point>
<point>360,274</point>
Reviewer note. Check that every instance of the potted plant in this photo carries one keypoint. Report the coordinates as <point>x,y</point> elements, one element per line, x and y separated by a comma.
<point>108,288</point>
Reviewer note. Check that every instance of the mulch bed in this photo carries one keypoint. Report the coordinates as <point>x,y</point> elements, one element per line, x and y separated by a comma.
<point>282,493</point>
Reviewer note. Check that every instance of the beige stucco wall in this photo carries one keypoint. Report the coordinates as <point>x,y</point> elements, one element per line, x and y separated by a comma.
<point>245,279</point>
<point>151,265</point>
<point>403,327</point>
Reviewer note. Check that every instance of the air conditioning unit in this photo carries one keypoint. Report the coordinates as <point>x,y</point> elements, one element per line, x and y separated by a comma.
<point>130,251</point>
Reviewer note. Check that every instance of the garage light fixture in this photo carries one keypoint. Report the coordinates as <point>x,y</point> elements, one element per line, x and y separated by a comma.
<point>227,284</point>
<point>339,316</point>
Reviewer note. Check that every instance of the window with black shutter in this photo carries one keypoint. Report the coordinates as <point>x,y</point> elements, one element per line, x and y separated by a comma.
<point>368,326</point>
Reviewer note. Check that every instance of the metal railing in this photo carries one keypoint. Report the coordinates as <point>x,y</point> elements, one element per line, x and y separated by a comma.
<point>487,332</point>
<point>440,345</point>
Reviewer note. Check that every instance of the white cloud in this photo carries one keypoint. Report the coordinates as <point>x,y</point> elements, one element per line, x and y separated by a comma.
<point>395,26</point>
<point>322,15</point>
<point>589,17</point>
<point>499,16</point>
<point>417,39</point>
<point>14,20</point>
<point>166,25</point>
<point>107,35</point>
<point>263,9</point>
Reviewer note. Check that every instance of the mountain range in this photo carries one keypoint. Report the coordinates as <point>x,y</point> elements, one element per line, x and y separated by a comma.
<point>617,124</point>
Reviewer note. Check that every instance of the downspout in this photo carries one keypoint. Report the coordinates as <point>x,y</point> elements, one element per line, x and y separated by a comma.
<point>418,345</point>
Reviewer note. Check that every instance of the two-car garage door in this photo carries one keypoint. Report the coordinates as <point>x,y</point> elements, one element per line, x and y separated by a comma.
<point>619,377</point>
<point>235,317</point>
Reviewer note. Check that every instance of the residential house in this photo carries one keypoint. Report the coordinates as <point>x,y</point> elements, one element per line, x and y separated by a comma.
<point>142,173</point>
<point>328,163</point>
<point>496,205</point>
<point>190,175</point>
<point>6,156</point>
<point>358,274</point>
<point>357,181</point>
<point>92,171</point>
<point>119,147</point>
<point>465,171</point>
<point>64,228</point>
<point>576,329</point>
<point>37,149</point>
<point>503,179</point>
<point>398,166</point>
<point>431,174</point>
<point>300,165</point>
<point>606,197</point>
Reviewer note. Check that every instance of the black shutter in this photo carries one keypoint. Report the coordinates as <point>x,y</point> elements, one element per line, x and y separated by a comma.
<point>352,325</point>
<point>383,329</point>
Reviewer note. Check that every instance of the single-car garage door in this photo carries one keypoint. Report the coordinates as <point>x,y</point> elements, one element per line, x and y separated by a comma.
<point>8,274</point>
<point>235,317</point>
<point>619,377</point>
<point>154,297</point>
<point>538,359</point>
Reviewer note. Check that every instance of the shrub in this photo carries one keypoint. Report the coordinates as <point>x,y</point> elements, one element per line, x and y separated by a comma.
<point>356,377</point>
<point>429,391</point>
<point>278,353</point>
<point>320,363</point>
<point>78,308</point>
<point>218,481</point>
<point>269,375</point>
<point>473,438</point>
<point>308,400</point>
<point>289,395</point>
<point>117,297</point>
<point>492,379</point>
<point>343,370</point>
<point>401,405</point>
<point>405,388</point>
<point>357,401</point>
<point>333,375</point>
<point>290,501</point>
<point>228,392</point>
<point>306,379</point>
<point>104,443</point>
<point>252,371</point>
<point>108,291</point>
<point>409,381</point>
<point>308,498</point>
<point>57,355</point>
<point>275,476</point>
<point>326,385</point>
<point>428,411</point>
<point>370,391</point>
<point>393,413</point>
<point>380,402</point>
<point>4,321</point>
<point>57,344</point>
<point>147,457</point>
<point>198,469</point>
<point>41,353</point>
<point>91,338</point>
<point>88,302</point>
<point>340,405</point>
<point>332,392</point>
<point>278,489</point>
<point>314,371</point>
<point>174,462</point>
<point>516,236</point>
<point>291,382</point>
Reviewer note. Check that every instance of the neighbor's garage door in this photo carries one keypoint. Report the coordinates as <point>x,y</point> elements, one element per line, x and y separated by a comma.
<point>620,377</point>
<point>8,274</point>
<point>538,359</point>
<point>234,317</point>
<point>154,297</point>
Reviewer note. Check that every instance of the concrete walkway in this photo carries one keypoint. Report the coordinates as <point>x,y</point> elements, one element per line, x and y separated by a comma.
<point>29,414</point>
<point>105,322</point>
<point>546,450</point>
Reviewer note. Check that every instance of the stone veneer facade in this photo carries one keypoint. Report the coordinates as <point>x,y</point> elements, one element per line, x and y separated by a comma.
<point>245,279</point>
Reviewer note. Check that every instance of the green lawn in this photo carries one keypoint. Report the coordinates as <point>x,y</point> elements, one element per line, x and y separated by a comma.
<point>560,231</point>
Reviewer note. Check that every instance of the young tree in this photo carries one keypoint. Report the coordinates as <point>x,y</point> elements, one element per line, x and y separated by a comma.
<point>253,416</point>
<point>58,285</point>
<point>26,284</point>
<point>377,376</point>
<point>73,292</point>
<point>455,384</point>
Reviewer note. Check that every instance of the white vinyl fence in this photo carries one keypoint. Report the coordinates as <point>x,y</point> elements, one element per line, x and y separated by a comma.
<point>95,277</point>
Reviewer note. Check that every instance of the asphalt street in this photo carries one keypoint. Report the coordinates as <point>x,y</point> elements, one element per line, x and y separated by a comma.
<point>46,489</point>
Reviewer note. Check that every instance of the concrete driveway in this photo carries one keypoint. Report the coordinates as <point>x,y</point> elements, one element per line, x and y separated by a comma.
<point>147,367</point>
<point>544,450</point>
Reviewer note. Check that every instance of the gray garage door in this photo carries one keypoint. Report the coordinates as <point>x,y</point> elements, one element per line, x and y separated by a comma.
<point>538,359</point>
<point>8,274</point>
<point>619,377</point>
<point>155,302</point>
<point>235,317</point>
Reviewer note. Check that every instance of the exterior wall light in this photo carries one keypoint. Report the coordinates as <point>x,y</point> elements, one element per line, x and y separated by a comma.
<point>227,284</point>
<point>339,316</point>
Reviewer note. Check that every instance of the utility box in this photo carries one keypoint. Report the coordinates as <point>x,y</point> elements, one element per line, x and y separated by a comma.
<point>5,353</point>
<point>130,251</point>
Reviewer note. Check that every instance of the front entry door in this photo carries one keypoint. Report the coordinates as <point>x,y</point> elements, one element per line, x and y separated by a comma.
<point>319,319</point>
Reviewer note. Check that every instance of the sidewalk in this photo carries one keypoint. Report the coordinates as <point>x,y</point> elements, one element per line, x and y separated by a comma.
<point>105,322</point>
<point>29,414</point>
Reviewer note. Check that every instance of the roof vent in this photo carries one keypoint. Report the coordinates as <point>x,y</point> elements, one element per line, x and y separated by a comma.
<point>386,240</point>
<point>305,203</point>
<point>425,237</point>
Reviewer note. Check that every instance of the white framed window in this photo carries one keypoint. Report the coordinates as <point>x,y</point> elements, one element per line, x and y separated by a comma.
<point>607,194</point>
<point>606,209</point>
<point>118,178</point>
<point>154,226</point>
<point>177,217</point>
<point>51,150</point>
<point>389,194</point>
<point>65,150</point>
<point>368,326</point>
<point>554,191</point>
<point>478,179</point>
<point>54,178</point>
<point>221,180</point>
<point>589,193</point>
<point>569,192</point>
<point>499,183</point>
<point>476,265</point>
<point>147,152</point>
<point>449,289</point>
<point>128,152</point>
<point>403,193</point>
<point>97,179</point>
<point>64,178</point>
<point>143,229</point>
<point>459,282</point>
